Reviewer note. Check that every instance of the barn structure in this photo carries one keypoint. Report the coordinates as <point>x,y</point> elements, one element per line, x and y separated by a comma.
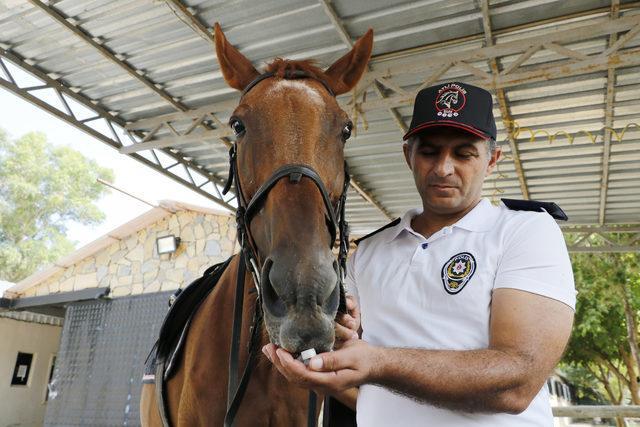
<point>141,76</point>
<point>112,295</point>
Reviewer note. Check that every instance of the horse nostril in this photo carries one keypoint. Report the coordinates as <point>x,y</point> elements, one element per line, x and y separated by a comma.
<point>271,301</point>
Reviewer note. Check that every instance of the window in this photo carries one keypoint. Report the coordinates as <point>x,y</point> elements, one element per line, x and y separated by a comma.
<point>22,369</point>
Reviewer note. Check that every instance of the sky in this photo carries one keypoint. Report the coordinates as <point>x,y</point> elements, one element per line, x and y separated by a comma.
<point>19,117</point>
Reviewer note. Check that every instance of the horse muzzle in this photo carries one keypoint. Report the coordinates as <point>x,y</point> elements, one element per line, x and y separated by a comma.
<point>300,302</point>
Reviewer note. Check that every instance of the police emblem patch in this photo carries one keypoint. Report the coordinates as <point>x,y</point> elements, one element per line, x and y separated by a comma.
<point>457,272</point>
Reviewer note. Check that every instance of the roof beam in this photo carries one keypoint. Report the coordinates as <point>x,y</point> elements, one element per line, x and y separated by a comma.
<point>108,54</point>
<point>507,30</point>
<point>570,68</point>
<point>188,16</point>
<point>505,112</point>
<point>511,48</point>
<point>608,121</point>
<point>601,229</point>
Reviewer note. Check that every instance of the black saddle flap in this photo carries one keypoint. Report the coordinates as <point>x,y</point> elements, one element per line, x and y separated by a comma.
<point>186,303</point>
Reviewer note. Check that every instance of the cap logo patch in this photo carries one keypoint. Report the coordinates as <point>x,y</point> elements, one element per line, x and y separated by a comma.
<point>457,272</point>
<point>450,100</point>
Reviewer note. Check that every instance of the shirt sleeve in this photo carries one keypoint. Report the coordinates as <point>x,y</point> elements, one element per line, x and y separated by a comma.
<point>350,282</point>
<point>535,259</point>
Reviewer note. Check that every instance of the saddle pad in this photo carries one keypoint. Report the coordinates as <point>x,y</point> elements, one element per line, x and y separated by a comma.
<point>175,326</point>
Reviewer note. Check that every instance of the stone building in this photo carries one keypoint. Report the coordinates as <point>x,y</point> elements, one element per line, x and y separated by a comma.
<point>111,296</point>
<point>127,262</point>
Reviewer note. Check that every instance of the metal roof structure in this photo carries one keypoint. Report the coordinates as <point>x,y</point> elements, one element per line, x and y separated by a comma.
<point>142,77</point>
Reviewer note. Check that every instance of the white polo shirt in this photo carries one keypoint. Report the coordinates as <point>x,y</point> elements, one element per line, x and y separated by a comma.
<point>435,294</point>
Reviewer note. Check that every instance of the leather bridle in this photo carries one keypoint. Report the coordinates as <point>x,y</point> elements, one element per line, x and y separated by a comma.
<point>246,211</point>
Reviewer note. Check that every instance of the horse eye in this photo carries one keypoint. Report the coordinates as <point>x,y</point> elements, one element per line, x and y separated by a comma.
<point>237,126</point>
<point>346,131</point>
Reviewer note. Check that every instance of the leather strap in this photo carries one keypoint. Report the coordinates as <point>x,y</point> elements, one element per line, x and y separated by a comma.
<point>311,413</point>
<point>254,341</point>
<point>234,353</point>
<point>160,400</point>
<point>292,171</point>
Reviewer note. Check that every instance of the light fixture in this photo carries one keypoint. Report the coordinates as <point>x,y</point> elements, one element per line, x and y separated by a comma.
<point>167,244</point>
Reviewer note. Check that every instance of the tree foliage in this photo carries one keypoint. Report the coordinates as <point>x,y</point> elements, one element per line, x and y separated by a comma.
<point>603,348</point>
<point>43,188</point>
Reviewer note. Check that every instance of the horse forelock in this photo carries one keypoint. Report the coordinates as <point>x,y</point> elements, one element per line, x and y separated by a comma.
<point>283,68</point>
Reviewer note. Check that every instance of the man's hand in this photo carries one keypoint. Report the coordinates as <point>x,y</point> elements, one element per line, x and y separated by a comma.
<point>328,373</point>
<point>347,325</point>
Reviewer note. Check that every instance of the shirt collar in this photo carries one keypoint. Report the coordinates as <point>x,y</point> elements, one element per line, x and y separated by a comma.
<point>479,219</point>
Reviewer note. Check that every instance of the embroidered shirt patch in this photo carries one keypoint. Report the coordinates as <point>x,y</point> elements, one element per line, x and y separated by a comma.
<point>457,272</point>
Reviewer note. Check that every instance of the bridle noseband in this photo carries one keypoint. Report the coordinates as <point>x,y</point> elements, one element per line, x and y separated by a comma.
<point>246,211</point>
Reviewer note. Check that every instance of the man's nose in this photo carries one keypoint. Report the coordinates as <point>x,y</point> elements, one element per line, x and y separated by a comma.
<point>444,167</point>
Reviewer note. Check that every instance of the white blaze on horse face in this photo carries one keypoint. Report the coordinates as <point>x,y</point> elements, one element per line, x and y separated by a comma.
<point>311,93</point>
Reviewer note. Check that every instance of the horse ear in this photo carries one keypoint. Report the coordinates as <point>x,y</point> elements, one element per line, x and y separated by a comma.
<point>345,73</point>
<point>236,68</point>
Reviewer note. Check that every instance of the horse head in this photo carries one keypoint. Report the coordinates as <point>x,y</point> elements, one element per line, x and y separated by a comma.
<point>290,116</point>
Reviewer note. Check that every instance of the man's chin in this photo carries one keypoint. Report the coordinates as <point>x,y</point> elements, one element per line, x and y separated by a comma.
<point>444,205</point>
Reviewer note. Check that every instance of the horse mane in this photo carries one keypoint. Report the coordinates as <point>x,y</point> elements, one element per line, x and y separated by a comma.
<point>282,68</point>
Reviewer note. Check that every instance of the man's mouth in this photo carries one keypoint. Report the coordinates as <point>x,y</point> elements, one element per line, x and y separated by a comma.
<point>443,186</point>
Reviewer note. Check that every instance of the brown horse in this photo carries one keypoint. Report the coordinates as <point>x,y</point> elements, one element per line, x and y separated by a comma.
<point>291,117</point>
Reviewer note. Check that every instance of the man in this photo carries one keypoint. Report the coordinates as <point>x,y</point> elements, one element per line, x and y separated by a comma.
<point>466,307</point>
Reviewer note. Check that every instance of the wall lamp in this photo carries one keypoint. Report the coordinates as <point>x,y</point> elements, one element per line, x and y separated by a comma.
<point>167,244</point>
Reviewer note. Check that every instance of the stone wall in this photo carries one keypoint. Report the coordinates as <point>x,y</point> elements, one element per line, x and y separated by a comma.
<point>132,265</point>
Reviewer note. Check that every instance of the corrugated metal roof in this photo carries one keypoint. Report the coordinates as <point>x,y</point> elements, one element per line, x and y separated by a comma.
<point>553,74</point>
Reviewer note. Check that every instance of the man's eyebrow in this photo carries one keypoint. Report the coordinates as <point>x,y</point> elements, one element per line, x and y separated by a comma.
<point>467,145</point>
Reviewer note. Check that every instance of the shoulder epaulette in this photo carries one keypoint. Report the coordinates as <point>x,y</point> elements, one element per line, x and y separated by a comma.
<point>536,206</point>
<point>391,224</point>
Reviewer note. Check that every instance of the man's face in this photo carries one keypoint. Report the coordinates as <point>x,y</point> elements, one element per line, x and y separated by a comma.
<point>449,167</point>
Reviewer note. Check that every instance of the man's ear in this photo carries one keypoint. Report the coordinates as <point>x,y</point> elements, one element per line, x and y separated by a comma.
<point>406,149</point>
<point>493,161</point>
<point>345,73</point>
<point>236,68</point>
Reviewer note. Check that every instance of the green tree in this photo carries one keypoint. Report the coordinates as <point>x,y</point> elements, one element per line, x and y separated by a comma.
<point>43,188</point>
<point>603,348</point>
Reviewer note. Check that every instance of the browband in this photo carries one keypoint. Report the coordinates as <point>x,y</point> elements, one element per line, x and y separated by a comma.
<point>289,74</point>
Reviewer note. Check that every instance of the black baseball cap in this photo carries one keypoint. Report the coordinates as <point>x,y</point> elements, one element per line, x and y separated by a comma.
<point>457,105</point>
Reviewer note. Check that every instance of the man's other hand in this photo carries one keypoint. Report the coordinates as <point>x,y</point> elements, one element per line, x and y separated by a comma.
<point>347,325</point>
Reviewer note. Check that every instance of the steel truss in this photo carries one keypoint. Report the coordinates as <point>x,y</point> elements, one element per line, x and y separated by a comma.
<point>432,68</point>
<point>189,17</point>
<point>603,239</point>
<point>106,127</point>
<point>149,140</point>
<point>515,73</point>
<point>140,139</point>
